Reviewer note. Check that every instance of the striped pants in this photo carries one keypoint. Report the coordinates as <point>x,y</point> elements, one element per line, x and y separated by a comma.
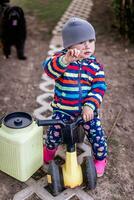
<point>93,130</point>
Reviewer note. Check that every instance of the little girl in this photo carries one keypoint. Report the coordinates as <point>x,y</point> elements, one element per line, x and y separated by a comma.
<point>79,89</point>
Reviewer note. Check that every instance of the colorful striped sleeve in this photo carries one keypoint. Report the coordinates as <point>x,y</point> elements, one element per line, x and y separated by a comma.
<point>54,67</point>
<point>98,89</point>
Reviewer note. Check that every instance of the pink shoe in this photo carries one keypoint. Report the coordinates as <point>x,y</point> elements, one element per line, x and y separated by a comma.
<point>48,154</point>
<point>100,166</point>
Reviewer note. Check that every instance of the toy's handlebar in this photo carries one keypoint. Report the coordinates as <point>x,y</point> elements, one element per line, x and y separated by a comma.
<point>58,122</point>
<point>49,122</point>
<point>69,130</point>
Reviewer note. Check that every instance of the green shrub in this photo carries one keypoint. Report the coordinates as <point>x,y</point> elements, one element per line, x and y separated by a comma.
<point>124,11</point>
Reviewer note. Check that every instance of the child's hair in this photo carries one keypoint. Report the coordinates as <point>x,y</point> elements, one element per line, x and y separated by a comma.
<point>77,30</point>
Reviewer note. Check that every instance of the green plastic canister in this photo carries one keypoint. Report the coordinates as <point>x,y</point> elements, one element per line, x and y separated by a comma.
<point>21,146</point>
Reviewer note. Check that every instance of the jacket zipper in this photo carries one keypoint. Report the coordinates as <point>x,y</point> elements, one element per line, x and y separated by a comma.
<point>80,91</point>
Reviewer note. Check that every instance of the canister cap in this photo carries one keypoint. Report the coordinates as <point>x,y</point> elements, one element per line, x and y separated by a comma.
<point>17,120</point>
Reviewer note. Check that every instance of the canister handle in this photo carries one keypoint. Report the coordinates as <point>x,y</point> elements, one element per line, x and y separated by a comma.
<point>58,122</point>
<point>1,119</point>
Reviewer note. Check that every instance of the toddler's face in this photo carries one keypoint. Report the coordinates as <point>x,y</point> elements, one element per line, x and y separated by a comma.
<point>87,48</point>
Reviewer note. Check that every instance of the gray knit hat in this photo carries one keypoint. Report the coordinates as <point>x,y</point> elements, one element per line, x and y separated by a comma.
<point>77,30</point>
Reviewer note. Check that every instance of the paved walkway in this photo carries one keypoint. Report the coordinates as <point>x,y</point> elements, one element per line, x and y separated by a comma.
<point>81,9</point>
<point>77,8</point>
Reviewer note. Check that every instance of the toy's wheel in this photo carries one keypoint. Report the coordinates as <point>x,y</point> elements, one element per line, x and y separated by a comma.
<point>54,178</point>
<point>89,173</point>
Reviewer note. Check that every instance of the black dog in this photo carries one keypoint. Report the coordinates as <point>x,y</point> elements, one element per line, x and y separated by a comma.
<point>3,5</point>
<point>4,2</point>
<point>13,31</point>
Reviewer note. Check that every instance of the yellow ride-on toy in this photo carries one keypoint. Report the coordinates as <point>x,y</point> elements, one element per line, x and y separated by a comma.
<point>70,174</point>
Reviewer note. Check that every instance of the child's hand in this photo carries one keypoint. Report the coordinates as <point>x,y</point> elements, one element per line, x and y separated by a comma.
<point>88,113</point>
<point>73,55</point>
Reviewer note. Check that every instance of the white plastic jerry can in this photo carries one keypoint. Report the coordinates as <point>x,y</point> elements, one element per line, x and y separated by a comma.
<point>21,146</point>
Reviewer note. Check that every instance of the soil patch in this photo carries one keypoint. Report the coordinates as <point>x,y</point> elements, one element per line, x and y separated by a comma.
<point>118,59</point>
<point>19,87</point>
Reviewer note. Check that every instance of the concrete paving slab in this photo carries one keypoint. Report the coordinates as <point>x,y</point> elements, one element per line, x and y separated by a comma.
<point>39,188</point>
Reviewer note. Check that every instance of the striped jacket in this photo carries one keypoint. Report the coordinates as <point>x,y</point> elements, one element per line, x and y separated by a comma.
<point>77,84</point>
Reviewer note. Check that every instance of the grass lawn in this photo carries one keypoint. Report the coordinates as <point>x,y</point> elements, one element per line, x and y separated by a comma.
<point>49,11</point>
